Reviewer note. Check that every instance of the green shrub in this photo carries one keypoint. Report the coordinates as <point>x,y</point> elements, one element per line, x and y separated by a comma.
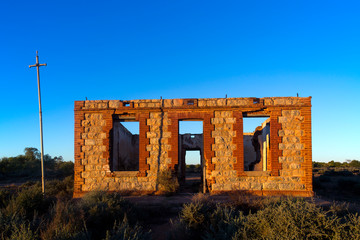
<point>351,228</point>
<point>8,222</point>
<point>167,182</point>
<point>28,203</point>
<point>224,223</point>
<point>247,202</point>
<point>65,168</point>
<point>292,218</point>
<point>66,222</point>
<point>21,217</point>
<point>278,219</point>
<point>195,217</point>
<point>60,189</point>
<point>195,214</point>
<point>5,196</point>
<point>92,217</point>
<point>23,232</point>
<point>102,209</point>
<point>124,231</point>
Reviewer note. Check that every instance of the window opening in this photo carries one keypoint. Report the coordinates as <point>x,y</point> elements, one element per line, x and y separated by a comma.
<point>125,145</point>
<point>256,143</point>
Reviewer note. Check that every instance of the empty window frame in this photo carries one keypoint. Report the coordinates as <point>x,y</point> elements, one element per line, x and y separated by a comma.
<point>125,149</point>
<point>256,134</point>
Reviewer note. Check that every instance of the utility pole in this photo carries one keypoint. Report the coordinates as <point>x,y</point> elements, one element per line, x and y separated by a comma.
<point>37,65</point>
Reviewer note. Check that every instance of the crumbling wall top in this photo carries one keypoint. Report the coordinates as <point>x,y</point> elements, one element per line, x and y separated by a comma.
<point>194,103</point>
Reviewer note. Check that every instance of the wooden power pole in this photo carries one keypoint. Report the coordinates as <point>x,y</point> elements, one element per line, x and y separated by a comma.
<point>37,65</point>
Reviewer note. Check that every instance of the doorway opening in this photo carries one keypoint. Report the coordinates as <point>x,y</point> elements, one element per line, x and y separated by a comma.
<point>191,167</point>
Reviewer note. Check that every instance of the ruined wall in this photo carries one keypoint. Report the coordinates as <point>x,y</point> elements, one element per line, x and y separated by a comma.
<point>249,151</point>
<point>92,158</point>
<point>289,165</point>
<point>288,178</point>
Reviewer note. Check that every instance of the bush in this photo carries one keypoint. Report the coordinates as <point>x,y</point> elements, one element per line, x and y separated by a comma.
<point>124,231</point>
<point>23,232</point>
<point>19,219</point>
<point>247,202</point>
<point>292,218</point>
<point>60,189</point>
<point>27,214</point>
<point>195,215</point>
<point>65,168</point>
<point>92,217</point>
<point>280,219</point>
<point>167,182</point>
<point>28,203</point>
<point>5,196</point>
<point>8,222</point>
<point>102,209</point>
<point>67,222</point>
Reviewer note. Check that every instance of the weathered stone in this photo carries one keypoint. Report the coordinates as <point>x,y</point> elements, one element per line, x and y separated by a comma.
<point>290,113</point>
<point>271,186</point>
<point>230,120</point>
<point>114,104</point>
<point>255,186</point>
<point>291,139</point>
<point>290,146</point>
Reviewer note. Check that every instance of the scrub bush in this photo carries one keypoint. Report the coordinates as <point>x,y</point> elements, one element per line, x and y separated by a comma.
<point>23,232</point>
<point>124,231</point>
<point>5,196</point>
<point>19,219</point>
<point>281,219</point>
<point>60,189</point>
<point>167,182</point>
<point>26,213</point>
<point>102,209</point>
<point>29,202</point>
<point>66,221</point>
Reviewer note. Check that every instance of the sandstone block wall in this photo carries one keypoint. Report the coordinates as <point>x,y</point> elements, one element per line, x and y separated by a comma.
<point>289,160</point>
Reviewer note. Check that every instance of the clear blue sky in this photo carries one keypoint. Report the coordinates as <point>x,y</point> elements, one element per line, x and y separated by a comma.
<point>177,49</point>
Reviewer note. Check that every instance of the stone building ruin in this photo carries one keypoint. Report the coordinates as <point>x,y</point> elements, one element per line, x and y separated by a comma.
<point>275,158</point>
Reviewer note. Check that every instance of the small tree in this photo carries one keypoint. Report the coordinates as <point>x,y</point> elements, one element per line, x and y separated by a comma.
<point>32,153</point>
